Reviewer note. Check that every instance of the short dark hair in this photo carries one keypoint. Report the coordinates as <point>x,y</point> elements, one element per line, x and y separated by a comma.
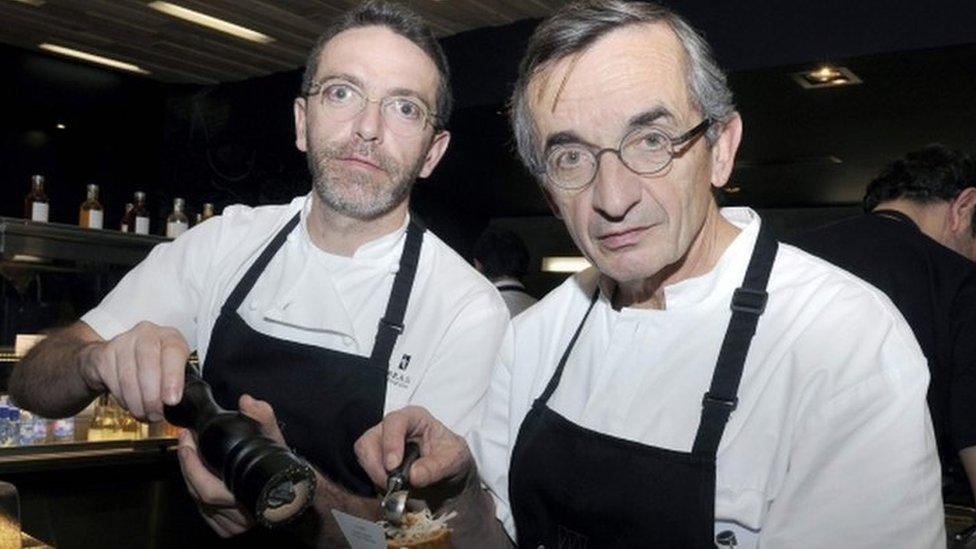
<point>402,21</point>
<point>933,174</point>
<point>501,253</point>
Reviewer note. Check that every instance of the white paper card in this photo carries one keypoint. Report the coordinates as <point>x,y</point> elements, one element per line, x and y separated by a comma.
<point>360,533</point>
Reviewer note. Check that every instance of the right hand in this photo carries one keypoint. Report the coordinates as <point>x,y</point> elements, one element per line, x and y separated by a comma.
<point>444,456</point>
<point>143,367</point>
<point>216,503</point>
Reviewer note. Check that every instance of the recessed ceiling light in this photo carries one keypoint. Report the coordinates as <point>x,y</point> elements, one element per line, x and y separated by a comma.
<point>563,264</point>
<point>91,57</point>
<point>60,126</point>
<point>826,76</point>
<point>210,22</point>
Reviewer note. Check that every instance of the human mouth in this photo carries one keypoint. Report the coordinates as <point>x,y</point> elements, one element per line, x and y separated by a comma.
<point>359,161</point>
<point>621,239</point>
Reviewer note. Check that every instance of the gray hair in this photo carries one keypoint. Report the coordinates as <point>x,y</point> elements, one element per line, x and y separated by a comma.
<point>402,21</point>
<point>576,26</point>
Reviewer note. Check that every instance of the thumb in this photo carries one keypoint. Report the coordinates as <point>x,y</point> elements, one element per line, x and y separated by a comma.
<point>263,413</point>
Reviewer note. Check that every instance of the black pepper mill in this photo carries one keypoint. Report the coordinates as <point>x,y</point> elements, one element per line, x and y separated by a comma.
<point>273,483</point>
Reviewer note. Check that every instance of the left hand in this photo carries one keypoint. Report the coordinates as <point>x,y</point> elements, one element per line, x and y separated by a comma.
<point>216,503</point>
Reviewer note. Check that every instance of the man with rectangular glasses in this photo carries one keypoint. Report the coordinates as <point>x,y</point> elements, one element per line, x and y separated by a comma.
<point>319,315</point>
<point>701,385</point>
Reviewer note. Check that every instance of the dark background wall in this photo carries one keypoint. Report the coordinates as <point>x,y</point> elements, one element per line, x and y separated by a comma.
<point>233,142</point>
<point>113,133</point>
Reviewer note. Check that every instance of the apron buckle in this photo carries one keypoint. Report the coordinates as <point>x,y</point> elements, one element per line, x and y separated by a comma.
<point>748,300</point>
<point>730,404</point>
<point>395,326</point>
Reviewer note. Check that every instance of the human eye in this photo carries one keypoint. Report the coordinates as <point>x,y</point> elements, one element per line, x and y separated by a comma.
<point>340,93</point>
<point>406,109</point>
<point>648,140</point>
<point>568,159</point>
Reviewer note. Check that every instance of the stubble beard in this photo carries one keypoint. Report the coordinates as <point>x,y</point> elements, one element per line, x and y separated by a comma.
<point>356,193</point>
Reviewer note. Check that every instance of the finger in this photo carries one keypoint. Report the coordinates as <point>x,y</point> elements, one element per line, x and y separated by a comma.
<point>185,449</point>
<point>147,376</point>
<point>222,523</point>
<point>127,364</point>
<point>369,452</point>
<point>441,464</point>
<point>207,488</point>
<point>263,413</point>
<point>214,524</point>
<point>392,436</point>
<point>174,354</point>
<point>233,521</point>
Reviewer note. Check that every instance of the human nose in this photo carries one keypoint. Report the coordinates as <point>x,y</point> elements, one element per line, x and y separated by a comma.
<point>369,121</point>
<point>616,189</point>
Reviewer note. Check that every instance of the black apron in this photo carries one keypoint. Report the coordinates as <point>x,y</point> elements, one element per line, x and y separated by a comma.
<point>571,487</point>
<point>323,399</point>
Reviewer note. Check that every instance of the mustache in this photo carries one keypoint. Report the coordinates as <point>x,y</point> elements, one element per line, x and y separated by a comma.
<point>358,148</point>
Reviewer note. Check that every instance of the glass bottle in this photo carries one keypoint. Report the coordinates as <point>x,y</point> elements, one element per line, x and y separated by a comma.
<point>177,223</point>
<point>90,213</point>
<point>140,215</point>
<point>127,217</point>
<point>208,211</point>
<point>36,204</point>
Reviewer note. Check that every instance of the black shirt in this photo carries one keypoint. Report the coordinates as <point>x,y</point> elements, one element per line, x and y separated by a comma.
<point>935,290</point>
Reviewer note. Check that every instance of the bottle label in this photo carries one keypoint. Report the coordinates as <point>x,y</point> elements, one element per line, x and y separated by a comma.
<point>95,218</point>
<point>142,225</point>
<point>176,228</point>
<point>39,211</point>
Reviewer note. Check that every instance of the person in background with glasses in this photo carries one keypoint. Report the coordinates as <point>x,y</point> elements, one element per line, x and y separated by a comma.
<point>701,385</point>
<point>319,315</point>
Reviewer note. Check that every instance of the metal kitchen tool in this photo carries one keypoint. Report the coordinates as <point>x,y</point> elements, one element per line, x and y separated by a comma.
<point>394,503</point>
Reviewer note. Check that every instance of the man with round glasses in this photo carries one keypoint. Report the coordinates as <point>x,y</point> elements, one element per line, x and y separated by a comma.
<point>317,316</point>
<point>701,385</point>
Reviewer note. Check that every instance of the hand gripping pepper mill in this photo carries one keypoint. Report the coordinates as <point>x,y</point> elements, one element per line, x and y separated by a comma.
<point>271,481</point>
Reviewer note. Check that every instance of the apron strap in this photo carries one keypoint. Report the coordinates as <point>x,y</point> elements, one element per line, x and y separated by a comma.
<point>391,325</point>
<point>558,374</point>
<point>748,303</point>
<point>243,287</point>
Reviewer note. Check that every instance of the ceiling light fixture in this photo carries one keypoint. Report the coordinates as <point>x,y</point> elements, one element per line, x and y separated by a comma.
<point>211,22</point>
<point>60,126</point>
<point>563,264</point>
<point>826,76</point>
<point>90,57</point>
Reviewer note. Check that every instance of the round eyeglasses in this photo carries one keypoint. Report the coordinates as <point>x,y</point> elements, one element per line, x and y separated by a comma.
<point>342,101</point>
<point>645,150</point>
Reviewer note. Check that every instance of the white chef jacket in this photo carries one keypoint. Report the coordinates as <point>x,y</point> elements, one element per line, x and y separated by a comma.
<point>831,444</point>
<point>454,321</point>
<point>516,301</point>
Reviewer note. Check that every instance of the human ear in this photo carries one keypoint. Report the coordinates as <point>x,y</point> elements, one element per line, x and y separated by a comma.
<point>724,149</point>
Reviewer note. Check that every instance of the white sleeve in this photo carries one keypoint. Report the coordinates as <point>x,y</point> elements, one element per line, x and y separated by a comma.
<point>491,443</point>
<point>863,471</point>
<point>165,288</point>
<point>454,385</point>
